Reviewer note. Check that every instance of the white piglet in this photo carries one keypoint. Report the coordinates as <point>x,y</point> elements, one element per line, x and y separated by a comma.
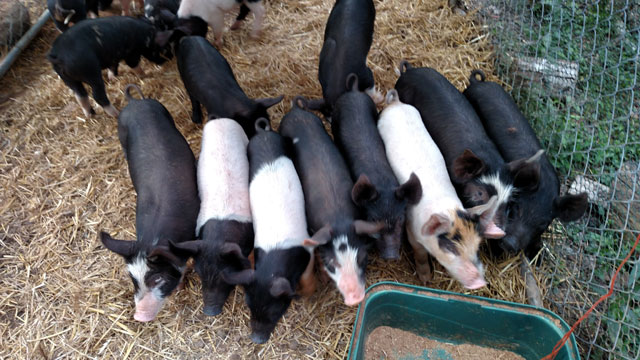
<point>438,224</point>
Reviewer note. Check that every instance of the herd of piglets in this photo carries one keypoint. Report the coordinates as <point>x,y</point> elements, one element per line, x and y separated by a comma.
<point>440,168</point>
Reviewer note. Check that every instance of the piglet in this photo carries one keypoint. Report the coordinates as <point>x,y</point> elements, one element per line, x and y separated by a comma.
<point>65,12</point>
<point>438,224</point>
<point>224,224</point>
<point>282,261</point>
<point>213,11</point>
<point>376,189</point>
<point>347,39</point>
<point>530,213</point>
<point>163,172</point>
<point>153,9</point>
<point>79,54</point>
<point>475,166</point>
<point>327,188</point>
<point>209,80</point>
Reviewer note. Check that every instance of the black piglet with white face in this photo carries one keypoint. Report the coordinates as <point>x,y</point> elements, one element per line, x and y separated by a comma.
<point>327,187</point>
<point>224,222</point>
<point>475,166</point>
<point>529,213</point>
<point>163,173</point>
<point>353,124</point>
<point>282,262</point>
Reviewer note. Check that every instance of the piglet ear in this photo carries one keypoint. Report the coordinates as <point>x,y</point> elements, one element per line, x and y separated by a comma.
<point>123,248</point>
<point>363,191</point>
<point>162,38</point>
<point>233,251</point>
<point>162,253</point>
<point>281,287</point>
<point>186,248</point>
<point>486,213</point>
<point>438,223</point>
<point>526,172</point>
<point>467,166</point>
<point>367,228</point>
<point>410,190</point>
<point>570,207</point>
<point>269,102</point>
<point>243,277</point>
<point>321,237</point>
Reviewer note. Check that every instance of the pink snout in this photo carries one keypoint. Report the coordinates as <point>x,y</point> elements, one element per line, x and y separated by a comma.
<point>352,290</point>
<point>493,231</point>
<point>147,308</point>
<point>471,277</point>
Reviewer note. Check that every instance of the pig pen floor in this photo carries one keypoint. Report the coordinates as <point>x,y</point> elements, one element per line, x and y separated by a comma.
<point>64,178</point>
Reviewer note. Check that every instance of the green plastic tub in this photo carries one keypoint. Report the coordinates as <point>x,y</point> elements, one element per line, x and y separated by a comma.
<point>448,317</point>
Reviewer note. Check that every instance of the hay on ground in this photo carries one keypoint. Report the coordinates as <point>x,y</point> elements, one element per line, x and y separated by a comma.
<point>64,179</point>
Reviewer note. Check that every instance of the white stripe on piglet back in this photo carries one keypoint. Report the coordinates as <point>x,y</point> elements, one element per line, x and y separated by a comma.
<point>410,148</point>
<point>277,205</point>
<point>223,173</point>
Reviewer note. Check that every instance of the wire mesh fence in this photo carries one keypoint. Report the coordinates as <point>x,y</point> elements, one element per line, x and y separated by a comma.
<point>572,67</point>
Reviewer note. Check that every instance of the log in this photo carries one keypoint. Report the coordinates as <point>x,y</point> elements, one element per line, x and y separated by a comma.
<point>626,200</point>
<point>534,296</point>
<point>596,193</point>
<point>557,76</point>
<point>14,22</point>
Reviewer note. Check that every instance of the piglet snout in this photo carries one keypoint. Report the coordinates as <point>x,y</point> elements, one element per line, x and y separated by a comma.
<point>471,277</point>
<point>492,231</point>
<point>351,289</point>
<point>147,308</point>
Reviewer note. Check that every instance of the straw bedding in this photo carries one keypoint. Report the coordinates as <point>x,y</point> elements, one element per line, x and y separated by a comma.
<point>64,178</point>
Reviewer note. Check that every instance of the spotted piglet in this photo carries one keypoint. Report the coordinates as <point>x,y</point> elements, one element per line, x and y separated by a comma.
<point>438,224</point>
<point>376,191</point>
<point>163,173</point>
<point>327,188</point>
<point>282,262</point>
<point>213,11</point>
<point>224,223</point>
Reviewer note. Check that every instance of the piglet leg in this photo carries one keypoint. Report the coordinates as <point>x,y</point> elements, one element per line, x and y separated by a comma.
<point>307,284</point>
<point>422,258</point>
<point>259,12</point>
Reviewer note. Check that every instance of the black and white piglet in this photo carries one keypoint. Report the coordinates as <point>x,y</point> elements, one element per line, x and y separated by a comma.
<point>475,166</point>
<point>224,223</point>
<point>65,12</point>
<point>79,54</point>
<point>347,39</point>
<point>282,262</point>
<point>327,188</point>
<point>376,190</point>
<point>209,80</point>
<point>213,11</point>
<point>163,173</point>
<point>530,213</point>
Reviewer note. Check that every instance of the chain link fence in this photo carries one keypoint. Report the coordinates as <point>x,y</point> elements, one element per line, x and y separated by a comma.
<point>572,67</point>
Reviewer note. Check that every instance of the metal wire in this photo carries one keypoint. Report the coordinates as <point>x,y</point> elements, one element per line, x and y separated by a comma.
<point>588,120</point>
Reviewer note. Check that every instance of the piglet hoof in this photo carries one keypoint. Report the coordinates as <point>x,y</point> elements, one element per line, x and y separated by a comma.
<point>111,111</point>
<point>375,95</point>
<point>91,15</point>
<point>424,273</point>
<point>111,76</point>
<point>256,34</point>
<point>236,25</point>
<point>218,42</point>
